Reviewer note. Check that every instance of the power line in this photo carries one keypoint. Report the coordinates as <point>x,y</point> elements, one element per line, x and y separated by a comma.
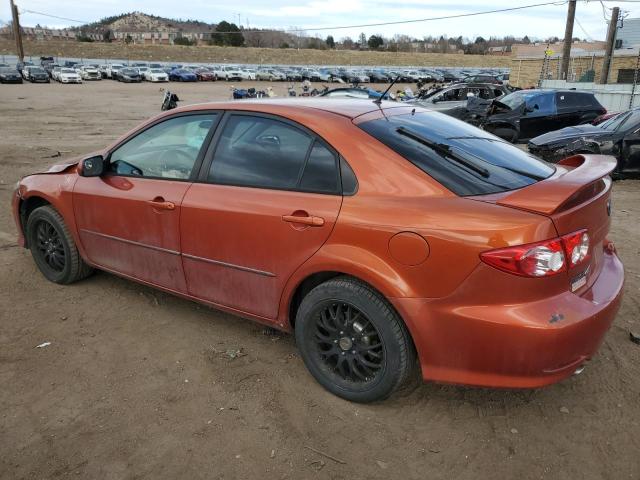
<point>583,30</point>
<point>54,16</point>
<point>343,27</point>
<point>379,24</point>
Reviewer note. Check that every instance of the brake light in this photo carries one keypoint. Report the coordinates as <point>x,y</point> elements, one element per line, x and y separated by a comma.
<point>541,259</point>
<point>576,247</point>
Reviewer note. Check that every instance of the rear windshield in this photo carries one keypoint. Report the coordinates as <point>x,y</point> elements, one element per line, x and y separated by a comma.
<point>463,158</point>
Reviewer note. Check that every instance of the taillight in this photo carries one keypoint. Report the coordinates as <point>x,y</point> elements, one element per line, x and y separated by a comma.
<point>576,247</point>
<point>532,260</point>
<point>541,259</point>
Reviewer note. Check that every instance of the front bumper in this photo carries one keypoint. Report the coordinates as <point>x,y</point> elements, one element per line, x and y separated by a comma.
<point>462,340</point>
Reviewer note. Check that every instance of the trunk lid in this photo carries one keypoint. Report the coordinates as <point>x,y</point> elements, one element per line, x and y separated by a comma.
<point>576,196</point>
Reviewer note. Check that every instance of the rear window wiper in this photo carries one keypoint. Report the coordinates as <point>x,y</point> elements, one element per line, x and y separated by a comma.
<point>444,150</point>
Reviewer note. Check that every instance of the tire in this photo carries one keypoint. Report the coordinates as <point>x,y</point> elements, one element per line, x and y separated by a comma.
<point>48,223</point>
<point>352,341</point>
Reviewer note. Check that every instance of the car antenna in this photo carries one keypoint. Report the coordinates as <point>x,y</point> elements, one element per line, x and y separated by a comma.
<point>378,100</point>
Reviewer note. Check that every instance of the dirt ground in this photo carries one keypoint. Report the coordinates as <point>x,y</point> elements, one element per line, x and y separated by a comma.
<point>140,384</point>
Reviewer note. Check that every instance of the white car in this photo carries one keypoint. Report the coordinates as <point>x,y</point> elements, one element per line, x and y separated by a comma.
<point>89,73</point>
<point>226,72</point>
<point>248,74</point>
<point>113,68</point>
<point>69,75</point>
<point>155,75</point>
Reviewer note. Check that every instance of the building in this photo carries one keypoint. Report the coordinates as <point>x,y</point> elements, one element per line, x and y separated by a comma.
<point>628,36</point>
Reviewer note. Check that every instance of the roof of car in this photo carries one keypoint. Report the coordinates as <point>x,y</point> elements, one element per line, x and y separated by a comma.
<point>346,107</point>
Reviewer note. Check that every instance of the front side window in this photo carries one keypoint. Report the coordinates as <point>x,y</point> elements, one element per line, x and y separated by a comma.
<point>264,152</point>
<point>166,150</point>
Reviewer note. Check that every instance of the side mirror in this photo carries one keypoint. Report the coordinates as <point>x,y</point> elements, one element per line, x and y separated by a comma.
<point>92,166</point>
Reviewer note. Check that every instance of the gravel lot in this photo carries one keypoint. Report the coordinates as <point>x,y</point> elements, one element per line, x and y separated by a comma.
<point>140,384</point>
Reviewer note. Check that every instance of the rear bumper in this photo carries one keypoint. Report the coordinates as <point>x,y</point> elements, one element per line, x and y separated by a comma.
<point>461,340</point>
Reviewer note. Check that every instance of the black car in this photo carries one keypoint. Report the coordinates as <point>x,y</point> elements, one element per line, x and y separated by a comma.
<point>619,136</point>
<point>128,75</point>
<point>38,75</point>
<point>525,114</point>
<point>9,75</point>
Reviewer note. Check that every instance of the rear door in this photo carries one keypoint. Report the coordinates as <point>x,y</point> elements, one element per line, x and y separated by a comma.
<point>266,201</point>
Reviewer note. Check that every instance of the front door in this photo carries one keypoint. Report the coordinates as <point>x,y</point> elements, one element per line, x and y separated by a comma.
<point>267,203</point>
<point>128,219</point>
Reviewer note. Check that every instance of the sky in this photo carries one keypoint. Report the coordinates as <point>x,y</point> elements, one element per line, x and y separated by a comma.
<point>540,22</point>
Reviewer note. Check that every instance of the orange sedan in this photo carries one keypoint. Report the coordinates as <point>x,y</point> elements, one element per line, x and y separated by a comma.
<point>374,232</point>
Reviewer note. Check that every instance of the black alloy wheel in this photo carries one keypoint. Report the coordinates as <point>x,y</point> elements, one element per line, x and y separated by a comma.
<point>49,245</point>
<point>352,340</point>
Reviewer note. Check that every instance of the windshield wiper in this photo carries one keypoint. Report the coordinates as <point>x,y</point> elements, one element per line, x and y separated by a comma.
<point>444,150</point>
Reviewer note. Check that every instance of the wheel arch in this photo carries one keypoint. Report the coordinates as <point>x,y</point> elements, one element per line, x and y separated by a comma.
<point>334,261</point>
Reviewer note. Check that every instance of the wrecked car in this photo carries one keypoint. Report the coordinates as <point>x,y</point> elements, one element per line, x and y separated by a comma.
<point>525,114</point>
<point>619,136</point>
<point>447,98</point>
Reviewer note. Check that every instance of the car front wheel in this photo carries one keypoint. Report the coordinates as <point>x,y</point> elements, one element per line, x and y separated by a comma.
<point>52,247</point>
<point>352,341</point>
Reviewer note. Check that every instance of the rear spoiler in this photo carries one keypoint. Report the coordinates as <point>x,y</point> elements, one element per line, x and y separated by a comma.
<point>573,175</point>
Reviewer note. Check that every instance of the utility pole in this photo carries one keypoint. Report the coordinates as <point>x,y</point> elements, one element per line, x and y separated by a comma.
<point>568,38</point>
<point>17,31</point>
<point>611,40</point>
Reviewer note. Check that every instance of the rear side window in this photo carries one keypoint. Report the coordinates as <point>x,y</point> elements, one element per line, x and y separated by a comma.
<point>263,152</point>
<point>321,172</point>
<point>464,159</point>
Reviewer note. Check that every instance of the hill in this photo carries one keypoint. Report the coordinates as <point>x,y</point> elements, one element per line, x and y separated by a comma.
<point>248,55</point>
<point>142,22</point>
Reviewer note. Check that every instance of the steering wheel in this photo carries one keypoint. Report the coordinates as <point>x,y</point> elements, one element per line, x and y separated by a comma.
<point>168,161</point>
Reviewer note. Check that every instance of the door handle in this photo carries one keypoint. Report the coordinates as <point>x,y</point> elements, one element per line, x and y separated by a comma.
<point>308,220</point>
<point>160,204</point>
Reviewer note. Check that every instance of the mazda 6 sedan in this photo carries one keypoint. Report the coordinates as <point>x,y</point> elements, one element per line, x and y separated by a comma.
<point>380,234</point>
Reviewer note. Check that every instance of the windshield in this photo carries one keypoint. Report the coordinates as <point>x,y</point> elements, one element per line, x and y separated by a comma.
<point>463,158</point>
<point>156,70</point>
<point>67,70</point>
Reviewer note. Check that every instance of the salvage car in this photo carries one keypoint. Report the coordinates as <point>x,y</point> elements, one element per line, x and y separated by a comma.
<point>37,75</point>
<point>619,136</point>
<point>525,114</point>
<point>454,96</point>
<point>156,75</point>
<point>67,75</point>
<point>128,75</point>
<point>374,232</point>
<point>205,75</point>
<point>89,72</point>
<point>9,75</point>
<point>181,75</point>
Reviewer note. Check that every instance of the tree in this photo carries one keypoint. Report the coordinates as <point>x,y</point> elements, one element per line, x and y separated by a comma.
<point>229,37</point>
<point>184,41</point>
<point>375,42</point>
<point>526,40</point>
<point>128,39</point>
<point>331,43</point>
<point>107,36</point>
<point>348,43</point>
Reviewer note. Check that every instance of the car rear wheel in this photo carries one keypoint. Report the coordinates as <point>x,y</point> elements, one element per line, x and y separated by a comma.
<point>352,341</point>
<point>53,248</point>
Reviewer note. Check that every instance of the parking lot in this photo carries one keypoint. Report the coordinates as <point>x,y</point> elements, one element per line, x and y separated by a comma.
<point>139,384</point>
